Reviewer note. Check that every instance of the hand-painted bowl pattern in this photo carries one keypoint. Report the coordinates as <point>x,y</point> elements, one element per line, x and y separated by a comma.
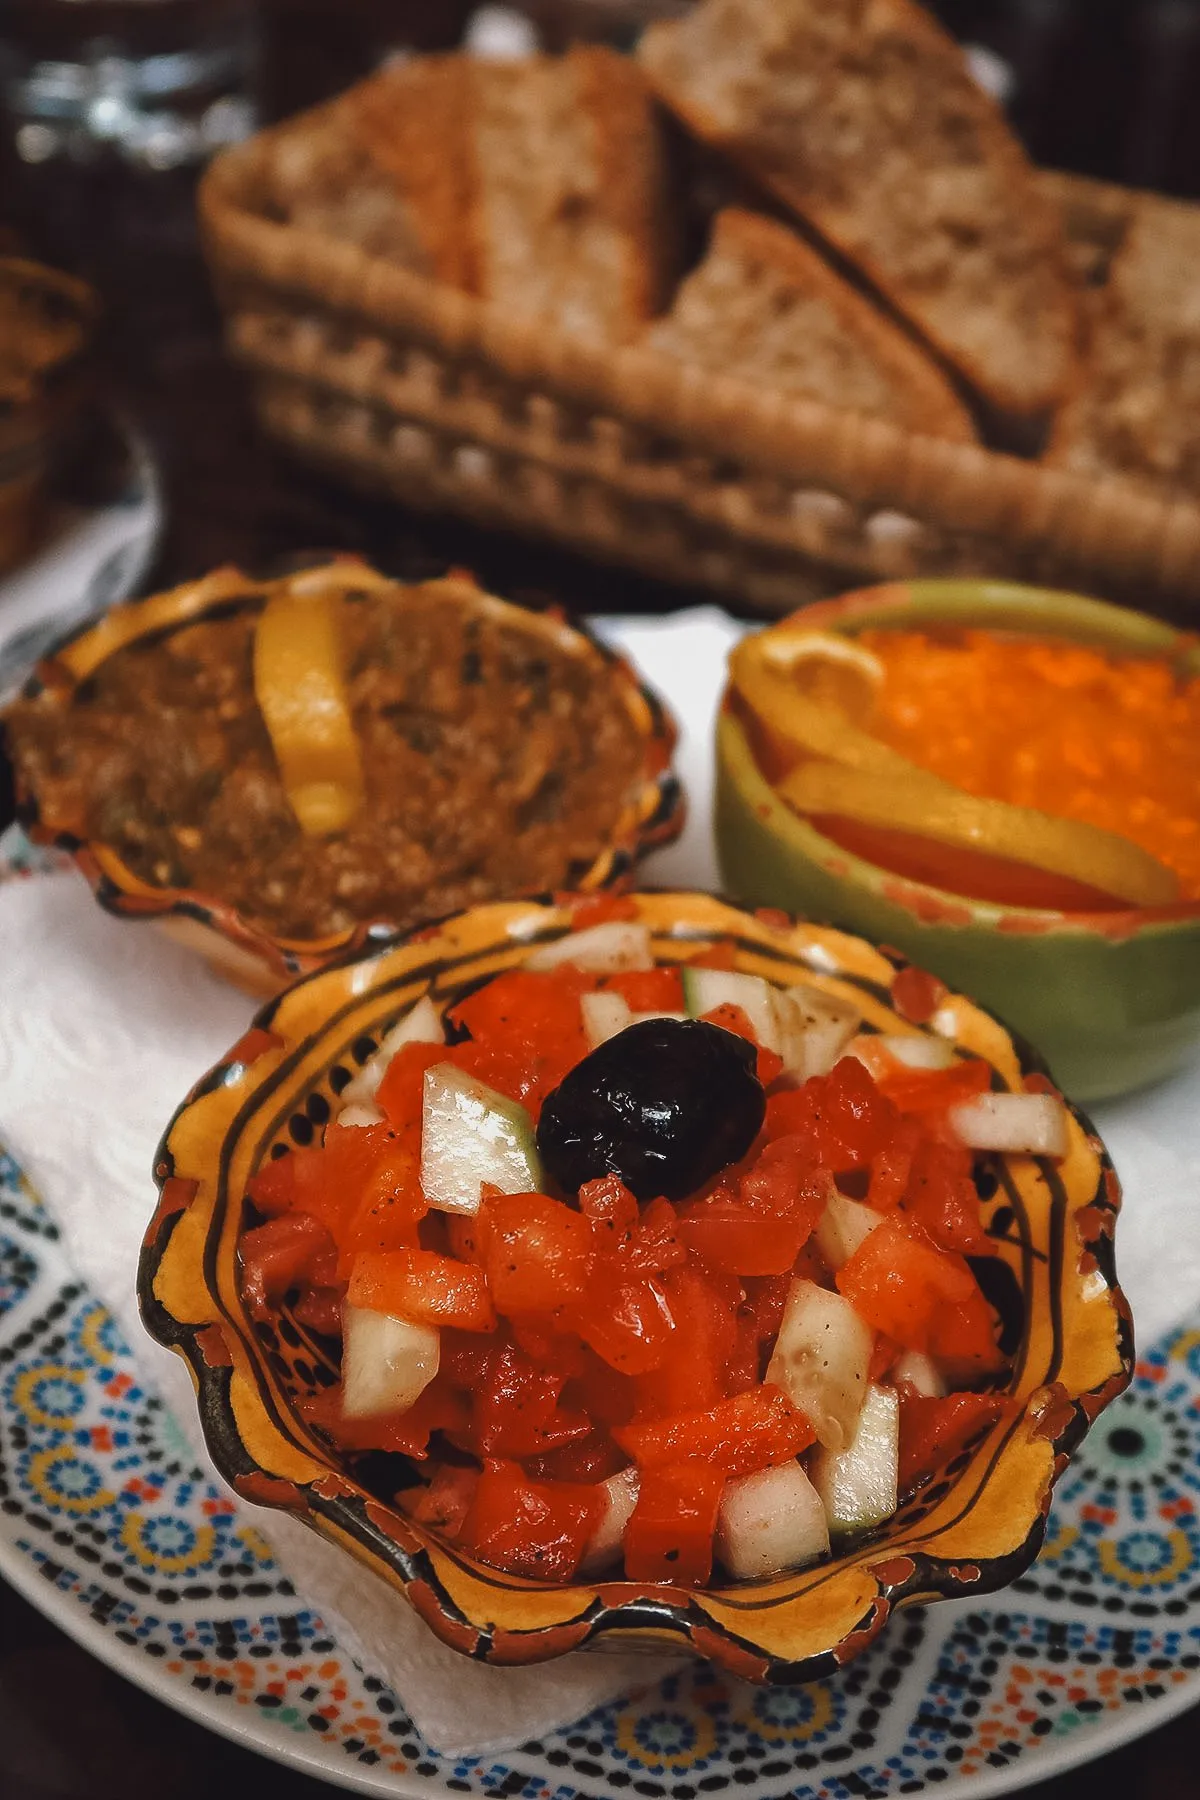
<point>1111,1000</point>
<point>244,950</point>
<point>973,1530</point>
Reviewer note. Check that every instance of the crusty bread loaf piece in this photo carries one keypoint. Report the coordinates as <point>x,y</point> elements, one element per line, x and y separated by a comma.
<point>862,116</point>
<point>570,218</point>
<point>539,184</point>
<point>1137,410</point>
<point>385,168</point>
<point>765,306</point>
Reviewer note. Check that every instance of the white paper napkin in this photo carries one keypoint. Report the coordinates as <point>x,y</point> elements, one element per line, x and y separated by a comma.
<point>104,1027</point>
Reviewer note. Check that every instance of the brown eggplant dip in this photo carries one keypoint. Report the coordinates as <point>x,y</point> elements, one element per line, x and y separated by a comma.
<point>498,754</point>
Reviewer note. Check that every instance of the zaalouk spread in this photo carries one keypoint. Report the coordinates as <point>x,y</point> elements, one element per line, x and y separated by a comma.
<point>497,749</point>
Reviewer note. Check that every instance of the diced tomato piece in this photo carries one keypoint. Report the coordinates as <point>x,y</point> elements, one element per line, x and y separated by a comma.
<point>891,1166</point>
<point>901,1283</point>
<point>768,1065</point>
<point>516,1412</point>
<point>669,1538</point>
<point>601,1391</point>
<point>783,1183</point>
<point>592,1458</point>
<point>716,956</point>
<point>753,1430</point>
<point>933,1431</point>
<point>293,1250</point>
<point>742,1365</point>
<point>538,1254</point>
<point>964,1340</point>
<point>320,1309</point>
<point>883,1356</point>
<point>613,1212</point>
<point>599,909</point>
<point>941,1195</point>
<point>692,1377</point>
<point>444,1504</point>
<point>437,1408</point>
<point>630,1327</point>
<point>467,1358</point>
<point>534,1528</point>
<point>843,1117</point>
<point>401,1093</point>
<point>543,1340</point>
<point>422,1286</point>
<point>465,1234</point>
<point>647,990</point>
<point>766,1299</point>
<point>916,995</point>
<point>735,1237</point>
<point>526,1031</point>
<point>390,1208</point>
<point>656,1245</point>
<point>273,1187</point>
<point>924,1092</point>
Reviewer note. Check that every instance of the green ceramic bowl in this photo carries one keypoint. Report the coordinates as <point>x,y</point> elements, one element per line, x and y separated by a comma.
<point>1112,1000</point>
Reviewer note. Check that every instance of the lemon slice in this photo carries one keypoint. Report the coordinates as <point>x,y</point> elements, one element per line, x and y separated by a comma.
<point>934,809</point>
<point>775,674</point>
<point>299,683</point>
<point>825,666</point>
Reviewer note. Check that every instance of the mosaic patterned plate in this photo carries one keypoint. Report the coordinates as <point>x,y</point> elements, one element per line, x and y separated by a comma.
<point>108,1527</point>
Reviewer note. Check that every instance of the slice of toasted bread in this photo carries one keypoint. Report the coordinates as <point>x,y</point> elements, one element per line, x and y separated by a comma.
<point>765,306</point>
<point>863,117</point>
<point>1137,410</point>
<point>382,167</point>
<point>569,216</point>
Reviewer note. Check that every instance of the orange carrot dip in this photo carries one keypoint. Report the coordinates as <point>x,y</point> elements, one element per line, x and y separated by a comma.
<point>1110,740</point>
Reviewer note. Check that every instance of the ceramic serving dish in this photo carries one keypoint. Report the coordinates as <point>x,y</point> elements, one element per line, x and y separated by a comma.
<point>1112,1000</point>
<point>975,1528</point>
<point>241,948</point>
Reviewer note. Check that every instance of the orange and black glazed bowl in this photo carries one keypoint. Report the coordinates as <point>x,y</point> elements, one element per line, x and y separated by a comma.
<point>642,809</point>
<point>977,1526</point>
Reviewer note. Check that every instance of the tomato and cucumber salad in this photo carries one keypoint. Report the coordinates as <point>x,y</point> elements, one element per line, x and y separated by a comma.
<point>648,1270</point>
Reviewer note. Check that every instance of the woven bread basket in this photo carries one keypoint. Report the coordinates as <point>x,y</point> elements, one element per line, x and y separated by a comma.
<point>421,392</point>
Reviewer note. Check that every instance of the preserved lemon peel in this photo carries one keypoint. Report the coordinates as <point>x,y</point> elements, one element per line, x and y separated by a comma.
<point>934,809</point>
<point>841,769</point>
<point>299,684</point>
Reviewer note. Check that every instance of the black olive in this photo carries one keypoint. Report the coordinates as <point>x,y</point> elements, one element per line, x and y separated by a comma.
<point>665,1105</point>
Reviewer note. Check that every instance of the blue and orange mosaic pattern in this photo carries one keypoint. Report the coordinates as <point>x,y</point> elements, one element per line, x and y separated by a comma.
<point>99,1494</point>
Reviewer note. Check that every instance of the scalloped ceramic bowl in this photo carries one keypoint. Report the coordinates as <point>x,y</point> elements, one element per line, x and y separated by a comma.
<point>243,950</point>
<point>1112,1000</point>
<point>976,1528</point>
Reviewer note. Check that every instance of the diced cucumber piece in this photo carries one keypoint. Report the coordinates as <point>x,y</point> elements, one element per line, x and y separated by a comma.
<point>820,1360</point>
<point>471,1134</point>
<point>1021,1124</point>
<point>706,989</point>
<point>770,1521</point>
<point>814,1029</point>
<point>608,949</point>
<point>604,1015</point>
<point>421,1025</point>
<point>845,1224</point>
<point>620,1493</point>
<point>921,1372</point>
<point>858,1484</point>
<point>386,1362</point>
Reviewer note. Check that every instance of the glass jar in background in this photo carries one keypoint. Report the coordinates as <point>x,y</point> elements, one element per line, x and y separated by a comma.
<point>155,84</point>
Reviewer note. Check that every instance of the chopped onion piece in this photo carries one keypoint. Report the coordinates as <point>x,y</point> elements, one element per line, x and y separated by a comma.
<point>387,1363</point>
<point>363,1112</point>
<point>814,1029</point>
<point>604,1016</point>
<point>770,1521</point>
<point>844,1225</point>
<point>620,1492</point>
<point>609,949</point>
<point>920,1371</point>
<point>1029,1124</point>
<point>820,1360</point>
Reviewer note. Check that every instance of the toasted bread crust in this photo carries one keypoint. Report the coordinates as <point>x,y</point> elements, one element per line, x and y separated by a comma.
<point>800,328</point>
<point>862,117</point>
<point>632,177</point>
<point>412,121</point>
<point>1137,411</point>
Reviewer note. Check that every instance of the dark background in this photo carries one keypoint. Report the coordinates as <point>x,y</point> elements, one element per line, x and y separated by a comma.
<point>1103,87</point>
